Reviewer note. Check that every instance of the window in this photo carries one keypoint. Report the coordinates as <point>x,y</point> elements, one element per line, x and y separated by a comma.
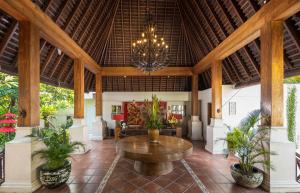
<point>232,108</point>
<point>116,109</point>
<point>178,109</point>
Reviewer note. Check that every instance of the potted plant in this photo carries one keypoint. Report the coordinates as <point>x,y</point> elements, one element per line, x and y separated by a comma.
<point>246,141</point>
<point>153,122</point>
<point>57,169</point>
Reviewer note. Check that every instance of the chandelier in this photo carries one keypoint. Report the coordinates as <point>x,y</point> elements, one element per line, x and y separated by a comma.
<point>149,53</point>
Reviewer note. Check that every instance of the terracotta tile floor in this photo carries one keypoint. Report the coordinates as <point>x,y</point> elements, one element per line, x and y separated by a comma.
<point>88,171</point>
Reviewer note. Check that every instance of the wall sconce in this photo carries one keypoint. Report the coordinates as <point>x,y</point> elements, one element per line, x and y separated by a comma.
<point>22,113</point>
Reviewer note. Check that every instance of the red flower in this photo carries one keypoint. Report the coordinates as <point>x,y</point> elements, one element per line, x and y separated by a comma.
<point>8,121</point>
<point>7,129</point>
<point>9,115</point>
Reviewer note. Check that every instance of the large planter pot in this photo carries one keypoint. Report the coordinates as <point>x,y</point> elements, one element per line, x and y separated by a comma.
<point>54,178</point>
<point>248,181</point>
<point>153,135</point>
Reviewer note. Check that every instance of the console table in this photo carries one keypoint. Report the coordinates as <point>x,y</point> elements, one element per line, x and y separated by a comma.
<point>153,159</point>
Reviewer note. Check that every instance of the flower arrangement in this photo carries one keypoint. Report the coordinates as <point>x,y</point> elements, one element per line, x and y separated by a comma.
<point>7,128</point>
<point>172,120</point>
<point>153,112</point>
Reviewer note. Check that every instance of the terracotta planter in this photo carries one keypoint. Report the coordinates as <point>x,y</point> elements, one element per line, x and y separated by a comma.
<point>54,178</point>
<point>153,135</point>
<point>248,181</point>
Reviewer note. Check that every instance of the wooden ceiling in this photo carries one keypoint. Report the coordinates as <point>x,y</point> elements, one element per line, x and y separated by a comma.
<point>105,29</point>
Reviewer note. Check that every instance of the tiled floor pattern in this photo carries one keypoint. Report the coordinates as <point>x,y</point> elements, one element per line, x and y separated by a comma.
<point>125,179</point>
<point>89,170</point>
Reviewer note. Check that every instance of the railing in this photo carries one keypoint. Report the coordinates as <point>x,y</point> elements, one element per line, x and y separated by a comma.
<point>298,167</point>
<point>2,172</point>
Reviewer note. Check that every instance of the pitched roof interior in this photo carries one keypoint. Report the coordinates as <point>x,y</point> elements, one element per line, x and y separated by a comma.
<point>105,29</point>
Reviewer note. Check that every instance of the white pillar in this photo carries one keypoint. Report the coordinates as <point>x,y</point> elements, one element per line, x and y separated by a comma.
<point>283,178</point>
<point>195,130</point>
<point>215,132</point>
<point>20,169</point>
<point>79,132</point>
<point>98,132</point>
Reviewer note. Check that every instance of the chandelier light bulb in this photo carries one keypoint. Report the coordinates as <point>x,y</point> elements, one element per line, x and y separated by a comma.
<point>154,40</point>
<point>162,39</point>
<point>167,46</point>
<point>152,29</point>
<point>163,43</point>
<point>155,36</point>
<point>133,44</point>
<point>145,40</point>
<point>143,35</point>
<point>158,45</point>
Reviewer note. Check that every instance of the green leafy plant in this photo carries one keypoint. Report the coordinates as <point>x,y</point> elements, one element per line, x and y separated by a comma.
<point>246,141</point>
<point>152,114</point>
<point>291,113</point>
<point>58,147</point>
<point>48,114</point>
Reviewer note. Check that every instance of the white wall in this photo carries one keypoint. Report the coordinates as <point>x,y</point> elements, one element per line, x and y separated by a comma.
<point>247,99</point>
<point>116,98</point>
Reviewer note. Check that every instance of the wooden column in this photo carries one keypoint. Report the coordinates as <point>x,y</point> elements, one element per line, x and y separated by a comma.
<point>78,88</point>
<point>29,74</point>
<point>216,86</point>
<point>195,103</point>
<point>98,94</point>
<point>272,73</point>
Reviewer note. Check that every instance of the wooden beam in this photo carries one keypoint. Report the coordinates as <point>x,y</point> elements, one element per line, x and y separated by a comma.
<point>49,30</point>
<point>98,94</point>
<point>195,105</point>
<point>216,85</point>
<point>249,31</point>
<point>272,73</point>
<point>29,75</point>
<point>78,88</point>
<point>132,71</point>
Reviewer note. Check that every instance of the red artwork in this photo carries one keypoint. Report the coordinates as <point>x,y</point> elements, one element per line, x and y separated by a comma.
<point>133,112</point>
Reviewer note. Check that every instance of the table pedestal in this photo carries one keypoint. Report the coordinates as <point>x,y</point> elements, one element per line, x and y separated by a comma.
<point>153,169</point>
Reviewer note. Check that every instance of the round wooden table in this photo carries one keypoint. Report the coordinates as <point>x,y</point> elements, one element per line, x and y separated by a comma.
<point>153,159</point>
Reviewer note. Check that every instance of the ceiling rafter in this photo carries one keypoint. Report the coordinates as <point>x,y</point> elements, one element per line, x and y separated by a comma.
<point>109,34</point>
<point>253,62</point>
<point>67,25</point>
<point>53,48</point>
<point>8,35</point>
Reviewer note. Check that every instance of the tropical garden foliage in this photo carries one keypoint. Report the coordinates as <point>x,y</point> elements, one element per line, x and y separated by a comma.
<point>292,80</point>
<point>51,98</point>
<point>291,113</point>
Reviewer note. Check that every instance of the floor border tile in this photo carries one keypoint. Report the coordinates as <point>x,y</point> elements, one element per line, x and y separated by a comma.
<point>195,177</point>
<point>108,174</point>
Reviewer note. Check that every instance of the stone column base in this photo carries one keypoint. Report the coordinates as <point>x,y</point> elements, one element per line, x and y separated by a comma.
<point>215,132</point>
<point>79,132</point>
<point>97,129</point>
<point>21,174</point>
<point>283,178</point>
<point>195,130</point>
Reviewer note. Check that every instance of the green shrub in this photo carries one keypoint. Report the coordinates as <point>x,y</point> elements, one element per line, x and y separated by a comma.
<point>291,113</point>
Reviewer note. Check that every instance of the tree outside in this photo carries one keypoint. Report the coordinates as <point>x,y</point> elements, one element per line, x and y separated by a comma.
<point>52,98</point>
